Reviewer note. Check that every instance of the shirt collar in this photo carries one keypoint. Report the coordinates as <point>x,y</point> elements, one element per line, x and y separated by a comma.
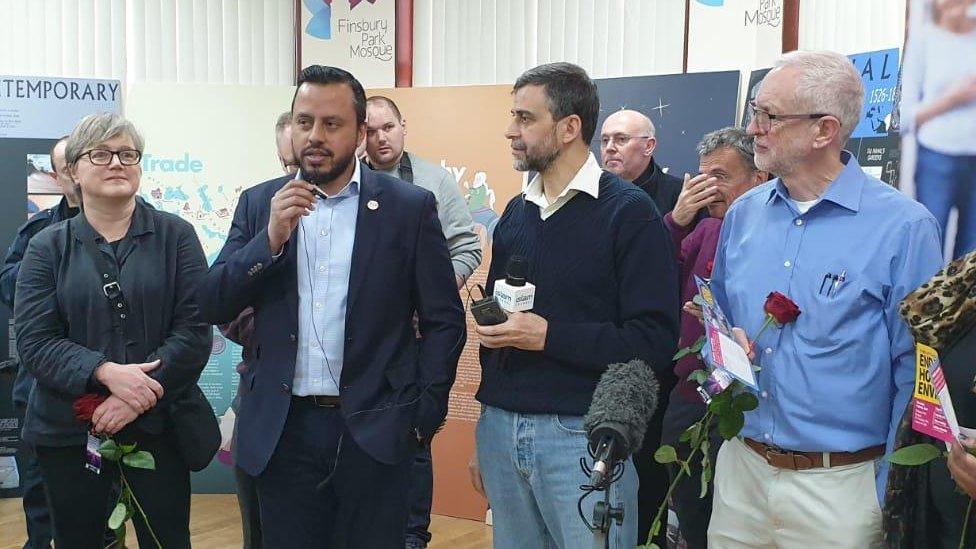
<point>351,188</point>
<point>586,180</point>
<point>845,191</point>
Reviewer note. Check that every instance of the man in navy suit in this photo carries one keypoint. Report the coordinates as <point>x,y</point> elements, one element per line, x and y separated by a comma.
<point>335,262</point>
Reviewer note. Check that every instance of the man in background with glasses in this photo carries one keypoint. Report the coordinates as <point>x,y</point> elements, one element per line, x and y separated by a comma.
<point>807,467</point>
<point>627,143</point>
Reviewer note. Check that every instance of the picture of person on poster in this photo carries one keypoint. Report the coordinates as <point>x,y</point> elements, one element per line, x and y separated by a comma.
<point>939,109</point>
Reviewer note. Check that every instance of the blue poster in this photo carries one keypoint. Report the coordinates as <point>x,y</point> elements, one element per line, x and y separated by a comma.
<point>879,72</point>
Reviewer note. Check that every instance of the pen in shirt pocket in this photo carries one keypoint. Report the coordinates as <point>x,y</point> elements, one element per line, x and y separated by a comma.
<point>838,280</point>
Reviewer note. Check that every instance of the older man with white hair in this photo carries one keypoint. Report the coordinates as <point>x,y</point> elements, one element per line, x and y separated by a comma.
<point>834,384</point>
<point>627,143</point>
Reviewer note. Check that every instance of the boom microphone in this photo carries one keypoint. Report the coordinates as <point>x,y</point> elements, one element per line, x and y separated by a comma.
<point>623,402</point>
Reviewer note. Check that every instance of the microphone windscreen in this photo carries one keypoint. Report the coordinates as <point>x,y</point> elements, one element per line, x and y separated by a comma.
<point>627,393</point>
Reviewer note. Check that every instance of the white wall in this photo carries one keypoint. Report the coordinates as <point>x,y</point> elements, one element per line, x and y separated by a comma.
<point>459,42</point>
<point>456,42</point>
<point>851,26</point>
<point>172,41</point>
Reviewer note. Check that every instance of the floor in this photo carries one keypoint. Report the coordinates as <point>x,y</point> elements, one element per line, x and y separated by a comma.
<point>215,524</point>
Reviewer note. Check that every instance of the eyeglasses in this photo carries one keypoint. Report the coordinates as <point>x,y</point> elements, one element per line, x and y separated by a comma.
<point>103,157</point>
<point>619,140</point>
<point>764,119</point>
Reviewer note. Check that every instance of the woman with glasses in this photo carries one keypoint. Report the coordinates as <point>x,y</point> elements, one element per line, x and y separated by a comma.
<point>105,306</point>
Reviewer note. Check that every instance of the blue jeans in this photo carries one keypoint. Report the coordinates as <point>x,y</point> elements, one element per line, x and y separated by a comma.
<point>943,182</point>
<point>530,467</point>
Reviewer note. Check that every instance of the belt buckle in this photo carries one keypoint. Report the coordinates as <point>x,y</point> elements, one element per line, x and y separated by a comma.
<point>112,290</point>
<point>784,459</point>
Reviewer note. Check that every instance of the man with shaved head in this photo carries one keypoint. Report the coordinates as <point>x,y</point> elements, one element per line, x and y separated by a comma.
<point>627,143</point>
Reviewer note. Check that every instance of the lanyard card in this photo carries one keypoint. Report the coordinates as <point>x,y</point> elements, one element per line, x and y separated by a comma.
<point>725,353</point>
<point>93,458</point>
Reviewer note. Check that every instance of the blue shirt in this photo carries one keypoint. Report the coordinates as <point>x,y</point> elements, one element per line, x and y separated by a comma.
<point>324,247</point>
<point>840,377</point>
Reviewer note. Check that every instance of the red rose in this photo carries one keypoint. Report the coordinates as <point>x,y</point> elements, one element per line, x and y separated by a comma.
<point>781,308</point>
<point>85,406</point>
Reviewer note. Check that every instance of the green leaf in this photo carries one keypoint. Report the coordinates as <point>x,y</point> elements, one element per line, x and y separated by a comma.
<point>127,448</point>
<point>730,425</point>
<point>141,459</point>
<point>109,450</point>
<point>685,468</point>
<point>721,404</point>
<point>745,402</point>
<point>698,376</point>
<point>654,546</point>
<point>683,352</point>
<point>690,434</point>
<point>117,518</point>
<point>655,528</point>
<point>706,479</point>
<point>666,454</point>
<point>916,454</point>
<point>698,344</point>
<point>704,450</point>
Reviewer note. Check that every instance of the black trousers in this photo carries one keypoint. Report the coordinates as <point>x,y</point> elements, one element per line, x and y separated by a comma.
<point>363,505</point>
<point>247,500</point>
<point>79,497</point>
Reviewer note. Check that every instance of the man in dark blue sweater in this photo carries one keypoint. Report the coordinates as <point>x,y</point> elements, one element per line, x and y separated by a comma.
<point>607,292</point>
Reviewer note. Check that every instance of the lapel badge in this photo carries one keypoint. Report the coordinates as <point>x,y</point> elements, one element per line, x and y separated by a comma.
<point>373,205</point>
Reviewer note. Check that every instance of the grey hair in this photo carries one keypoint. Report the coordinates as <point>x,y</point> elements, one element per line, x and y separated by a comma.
<point>730,137</point>
<point>829,84</point>
<point>284,120</point>
<point>95,129</point>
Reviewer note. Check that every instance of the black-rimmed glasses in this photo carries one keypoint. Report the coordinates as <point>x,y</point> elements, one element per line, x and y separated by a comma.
<point>764,119</point>
<point>103,157</point>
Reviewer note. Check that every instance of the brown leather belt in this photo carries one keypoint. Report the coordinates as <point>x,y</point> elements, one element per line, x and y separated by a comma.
<point>322,401</point>
<point>800,461</point>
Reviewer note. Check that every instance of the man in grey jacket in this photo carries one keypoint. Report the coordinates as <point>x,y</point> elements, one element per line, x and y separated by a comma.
<point>385,153</point>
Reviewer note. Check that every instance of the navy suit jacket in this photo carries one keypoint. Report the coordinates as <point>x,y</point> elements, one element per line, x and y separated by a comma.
<point>390,384</point>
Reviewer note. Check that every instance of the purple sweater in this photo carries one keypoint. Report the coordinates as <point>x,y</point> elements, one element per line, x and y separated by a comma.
<point>695,249</point>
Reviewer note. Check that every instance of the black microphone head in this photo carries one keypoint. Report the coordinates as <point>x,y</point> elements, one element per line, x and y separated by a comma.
<point>623,402</point>
<point>516,271</point>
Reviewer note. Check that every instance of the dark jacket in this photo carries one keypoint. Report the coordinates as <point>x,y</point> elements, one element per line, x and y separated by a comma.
<point>389,384</point>
<point>8,278</point>
<point>64,329</point>
<point>663,188</point>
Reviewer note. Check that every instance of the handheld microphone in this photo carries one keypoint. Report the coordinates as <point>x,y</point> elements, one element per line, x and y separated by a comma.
<point>623,402</point>
<point>513,292</point>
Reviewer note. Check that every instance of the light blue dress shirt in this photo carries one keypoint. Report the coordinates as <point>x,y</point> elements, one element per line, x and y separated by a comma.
<point>839,378</point>
<point>324,246</point>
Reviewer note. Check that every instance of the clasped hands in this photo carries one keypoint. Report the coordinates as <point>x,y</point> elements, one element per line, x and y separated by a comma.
<point>133,393</point>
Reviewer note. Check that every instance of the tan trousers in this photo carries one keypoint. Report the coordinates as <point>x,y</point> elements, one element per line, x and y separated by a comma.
<point>757,505</point>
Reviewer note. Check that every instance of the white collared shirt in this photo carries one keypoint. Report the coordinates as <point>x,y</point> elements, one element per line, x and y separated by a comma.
<point>587,180</point>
